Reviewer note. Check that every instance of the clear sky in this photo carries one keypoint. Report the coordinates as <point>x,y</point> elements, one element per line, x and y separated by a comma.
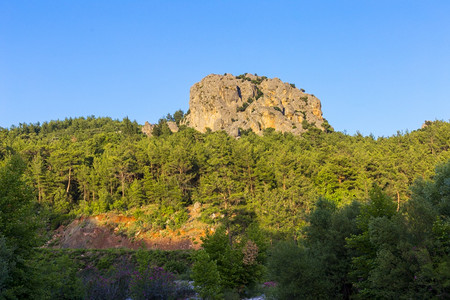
<point>377,66</point>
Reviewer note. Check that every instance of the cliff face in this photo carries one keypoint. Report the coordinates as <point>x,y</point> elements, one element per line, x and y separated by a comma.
<point>227,102</point>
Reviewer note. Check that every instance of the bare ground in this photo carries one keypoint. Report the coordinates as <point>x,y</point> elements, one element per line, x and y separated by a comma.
<point>110,231</point>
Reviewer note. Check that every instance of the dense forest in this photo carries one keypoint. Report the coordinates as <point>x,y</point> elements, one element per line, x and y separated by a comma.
<point>94,165</point>
<point>344,215</point>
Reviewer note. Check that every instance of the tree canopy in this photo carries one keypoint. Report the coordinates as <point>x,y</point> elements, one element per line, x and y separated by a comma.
<point>91,165</point>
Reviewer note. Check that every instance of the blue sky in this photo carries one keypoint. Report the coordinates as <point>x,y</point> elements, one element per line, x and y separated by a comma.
<point>377,66</point>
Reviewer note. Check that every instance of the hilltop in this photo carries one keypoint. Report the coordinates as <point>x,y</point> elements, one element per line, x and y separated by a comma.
<point>234,103</point>
<point>249,102</point>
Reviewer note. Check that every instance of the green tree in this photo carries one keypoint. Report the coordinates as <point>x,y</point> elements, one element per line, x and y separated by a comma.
<point>298,273</point>
<point>379,207</point>
<point>18,232</point>
<point>240,264</point>
<point>206,276</point>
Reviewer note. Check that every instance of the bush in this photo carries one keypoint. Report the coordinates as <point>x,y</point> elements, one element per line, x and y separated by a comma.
<point>278,109</point>
<point>5,262</point>
<point>152,283</point>
<point>305,124</point>
<point>110,285</point>
<point>60,278</point>
<point>243,107</point>
<point>259,93</point>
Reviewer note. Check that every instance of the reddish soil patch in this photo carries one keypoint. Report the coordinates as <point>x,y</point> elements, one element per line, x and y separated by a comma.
<point>87,233</point>
<point>102,232</point>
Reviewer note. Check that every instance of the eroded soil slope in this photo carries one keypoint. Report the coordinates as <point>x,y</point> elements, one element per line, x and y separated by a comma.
<point>112,231</point>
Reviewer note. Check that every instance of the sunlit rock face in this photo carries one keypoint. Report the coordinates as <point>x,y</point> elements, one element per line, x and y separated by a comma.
<point>234,103</point>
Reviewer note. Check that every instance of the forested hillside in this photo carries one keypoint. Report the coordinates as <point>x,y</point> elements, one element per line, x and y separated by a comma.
<point>88,166</point>
<point>323,215</point>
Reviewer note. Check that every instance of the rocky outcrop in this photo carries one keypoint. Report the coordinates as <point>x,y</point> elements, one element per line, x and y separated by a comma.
<point>148,129</point>
<point>172,126</point>
<point>235,103</point>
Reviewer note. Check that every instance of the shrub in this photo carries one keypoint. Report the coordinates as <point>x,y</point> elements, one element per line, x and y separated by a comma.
<point>259,93</point>
<point>305,124</point>
<point>243,107</point>
<point>5,262</point>
<point>152,283</point>
<point>59,278</point>
<point>278,109</point>
<point>110,285</point>
<point>305,99</point>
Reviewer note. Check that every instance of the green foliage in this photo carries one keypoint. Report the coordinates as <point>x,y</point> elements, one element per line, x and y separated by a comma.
<point>6,263</point>
<point>299,275</point>
<point>162,128</point>
<point>18,232</point>
<point>384,248</point>
<point>206,276</point>
<point>94,165</point>
<point>373,250</point>
<point>178,116</point>
<point>404,255</point>
<point>327,127</point>
<point>379,210</point>
<point>106,274</point>
<point>278,109</point>
<point>305,124</point>
<point>226,258</point>
<point>239,262</point>
<point>152,283</point>
<point>243,107</point>
<point>322,257</point>
<point>256,81</point>
<point>143,259</point>
<point>130,128</point>
<point>59,278</point>
<point>259,93</point>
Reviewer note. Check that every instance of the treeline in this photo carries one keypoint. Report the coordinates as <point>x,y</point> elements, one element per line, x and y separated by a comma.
<point>94,165</point>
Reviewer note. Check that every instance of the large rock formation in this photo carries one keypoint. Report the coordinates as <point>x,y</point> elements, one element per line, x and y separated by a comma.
<point>231,103</point>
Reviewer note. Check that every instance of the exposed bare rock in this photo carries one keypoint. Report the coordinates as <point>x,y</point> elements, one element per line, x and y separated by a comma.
<point>231,103</point>
<point>172,126</point>
<point>107,231</point>
<point>426,124</point>
<point>148,129</point>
